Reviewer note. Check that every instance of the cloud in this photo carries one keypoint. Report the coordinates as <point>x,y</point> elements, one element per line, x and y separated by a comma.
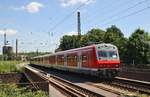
<point>72,33</point>
<point>66,3</point>
<point>8,31</point>
<point>32,7</point>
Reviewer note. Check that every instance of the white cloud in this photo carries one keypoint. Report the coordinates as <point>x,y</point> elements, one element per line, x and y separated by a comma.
<point>72,33</point>
<point>8,31</point>
<point>32,7</point>
<point>66,3</point>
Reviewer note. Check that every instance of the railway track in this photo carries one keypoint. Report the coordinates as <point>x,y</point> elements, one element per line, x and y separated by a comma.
<point>67,88</point>
<point>123,84</point>
<point>104,88</point>
<point>129,85</point>
<point>134,85</point>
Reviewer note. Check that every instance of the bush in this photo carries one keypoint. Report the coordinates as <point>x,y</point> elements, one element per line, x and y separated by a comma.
<point>9,66</point>
<point>11,90</point>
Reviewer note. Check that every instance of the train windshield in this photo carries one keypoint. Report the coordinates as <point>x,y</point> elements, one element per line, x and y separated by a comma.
<point>107,54</point>
<point>102,54</point>
<point>112,54</point>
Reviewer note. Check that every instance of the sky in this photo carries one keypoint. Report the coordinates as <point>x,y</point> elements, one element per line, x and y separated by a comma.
<point>39,24</point>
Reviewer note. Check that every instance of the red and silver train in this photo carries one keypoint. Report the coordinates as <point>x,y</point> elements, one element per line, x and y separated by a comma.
<point>101,60</point>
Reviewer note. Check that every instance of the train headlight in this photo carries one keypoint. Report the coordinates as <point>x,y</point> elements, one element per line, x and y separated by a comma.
<point>101,65</point>
<point>117,65</point>
<point>104,66</point>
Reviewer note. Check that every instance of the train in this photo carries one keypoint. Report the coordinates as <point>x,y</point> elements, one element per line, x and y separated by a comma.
<point>101,60</point>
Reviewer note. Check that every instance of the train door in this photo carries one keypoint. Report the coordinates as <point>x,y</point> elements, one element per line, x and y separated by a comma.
<point>90,58</point>
<point>85,59</point>
<point>79,59</point>
<point>65,60</point>
<point>56,60</point>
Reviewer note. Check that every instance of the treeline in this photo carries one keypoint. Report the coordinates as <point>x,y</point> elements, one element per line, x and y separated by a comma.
<point>22,56</point>
<point>132,50</point>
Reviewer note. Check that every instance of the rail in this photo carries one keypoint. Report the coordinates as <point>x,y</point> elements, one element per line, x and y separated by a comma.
<point>67,88</point>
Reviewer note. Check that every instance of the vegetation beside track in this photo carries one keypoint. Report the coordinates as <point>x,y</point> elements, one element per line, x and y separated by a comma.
<point>137,94</point>
<point>9,66</point>
<point>11,90</point>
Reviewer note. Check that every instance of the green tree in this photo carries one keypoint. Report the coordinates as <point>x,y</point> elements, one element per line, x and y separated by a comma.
<point>93,36</point>
<point>69,42</point>
<point>113,34</point>
<point>138,47</point>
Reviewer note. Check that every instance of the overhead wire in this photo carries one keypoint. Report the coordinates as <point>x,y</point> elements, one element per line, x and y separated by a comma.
<point>105,8</point>
<point>66,17</point>
<point>125,16</point>
<point>51,33</point>
<point>124,10</point>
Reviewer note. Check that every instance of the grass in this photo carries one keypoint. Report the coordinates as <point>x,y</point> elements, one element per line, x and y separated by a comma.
<point>9,66</point>
<point>136,94</point>
<point>11,90</point>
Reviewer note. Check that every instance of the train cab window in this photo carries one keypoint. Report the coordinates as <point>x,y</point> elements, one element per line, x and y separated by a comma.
<point>107,54</point>
<point>102,54</point>
<point>113,54</point>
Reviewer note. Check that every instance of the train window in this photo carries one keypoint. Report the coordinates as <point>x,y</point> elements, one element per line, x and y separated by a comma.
<point>40,59</point>
<point>112,54</point>
<point>79,58</point>
<point>102,53</point>
<point>68,58</point>
<point>84,58</point>
<point>65,58</point>
<point>72,58</point>
<point>62,59</point>
<point>75,58</point>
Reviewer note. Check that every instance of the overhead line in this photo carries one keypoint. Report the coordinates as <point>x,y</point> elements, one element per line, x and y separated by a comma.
<point>107,7</point>
<point>66,17</point>
<point>124,10</point>
<point>125,16</point>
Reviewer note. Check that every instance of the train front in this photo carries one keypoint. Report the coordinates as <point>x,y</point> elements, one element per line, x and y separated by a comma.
<point>107,60</point>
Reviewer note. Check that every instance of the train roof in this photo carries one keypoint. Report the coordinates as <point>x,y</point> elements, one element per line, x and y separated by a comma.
<point>75,49</point>
<point>60,52</point>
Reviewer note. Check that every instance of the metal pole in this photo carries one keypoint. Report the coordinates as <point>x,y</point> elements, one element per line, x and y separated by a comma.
<point>16,48</point>
<point>78,28</point>
<point>78,23</point>
<point>5,38</point>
